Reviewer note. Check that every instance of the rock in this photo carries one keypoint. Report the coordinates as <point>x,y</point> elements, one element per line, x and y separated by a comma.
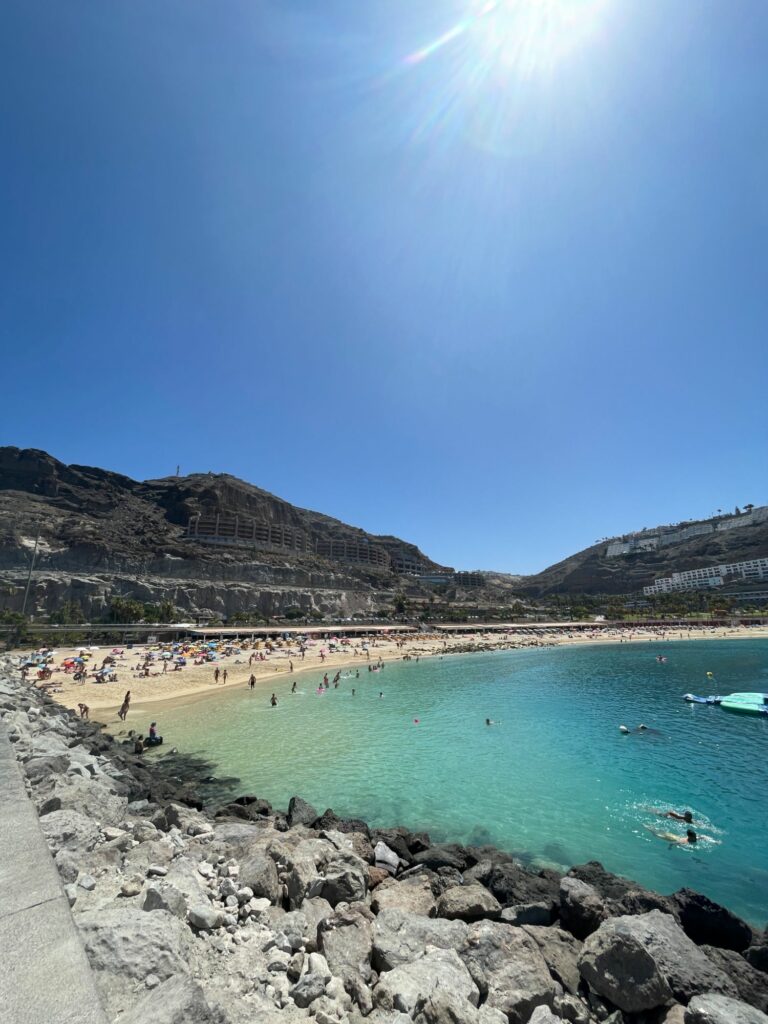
<point>529,913</point>
<point>751,984</point>
<point>621,896</point>
<point>709,924</point>
<point>259,873</point>
<point>712,1008</point>
<point>510,884</point>
<point>344,879</point>
<point>53,803</point>
<point>204,917</point>
<point>131,887</point>
<point>437,971</point>
<point>87,882</point>
<point>376,876</point>
<point>125,943</point>
<point>93,797</point>
<point>300,812</point>
<point>582,910</point>
<point>757,956</point>
<point>69,830</point>
<point>509,969</point>
<point>165,897</point>
<point>329,821</point>
<point>68,865</point>
<point>412,895</point>
<point>400,938</point>
<point>441,1008</point>
<point>543,1015</point>
<point>145,832</point>
<point>468,903</point>
<point>179,1000</point>
<point>307,989</point>
<point>444,855</point>
<point>157,871</point>
<point>617,965</point>
<point>561,953</point>
<point>70,891</point>
<point>642,960</point>
<point>386,858</point>
<point>346,940</point>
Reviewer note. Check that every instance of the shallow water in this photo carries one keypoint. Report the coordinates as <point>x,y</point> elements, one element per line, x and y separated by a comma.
<point>554,782</point>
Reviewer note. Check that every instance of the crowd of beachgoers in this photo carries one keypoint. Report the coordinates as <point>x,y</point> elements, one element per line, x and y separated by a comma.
<point>108,678</point>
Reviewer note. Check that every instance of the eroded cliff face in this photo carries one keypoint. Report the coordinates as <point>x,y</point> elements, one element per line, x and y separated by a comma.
<point>101,535</point>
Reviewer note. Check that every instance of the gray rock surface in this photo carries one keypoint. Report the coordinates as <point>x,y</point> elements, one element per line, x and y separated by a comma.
<point>509,969</point>
<point>346,940</point>
<point>582,909</point>
<point>408,986</point>
<point>179,1000</point>
<point>412,895</point>
<point>400,938</point>
<point>468,903</point>
<point>258,872</point>
<point>561,952</point>
<point>712,1008</point>
<point>616,964</point>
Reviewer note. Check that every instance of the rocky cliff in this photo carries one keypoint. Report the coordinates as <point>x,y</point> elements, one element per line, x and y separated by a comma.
<point>100,535</point>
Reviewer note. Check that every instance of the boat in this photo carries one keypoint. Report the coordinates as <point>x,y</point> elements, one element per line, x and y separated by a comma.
<point>746,703</point>
<point>693,699</point>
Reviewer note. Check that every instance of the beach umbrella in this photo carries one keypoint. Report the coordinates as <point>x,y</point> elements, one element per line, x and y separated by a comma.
<point>79,661</point>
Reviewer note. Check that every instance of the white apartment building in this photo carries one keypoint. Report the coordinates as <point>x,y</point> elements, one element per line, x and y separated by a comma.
<point>710,576</point>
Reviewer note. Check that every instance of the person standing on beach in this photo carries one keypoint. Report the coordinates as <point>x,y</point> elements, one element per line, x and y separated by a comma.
<point>273,700</point>
<point>123,712</point>
<point>290,666</point>
<point>224,678</point>
<point>252,681</point>
<point>216,674</point>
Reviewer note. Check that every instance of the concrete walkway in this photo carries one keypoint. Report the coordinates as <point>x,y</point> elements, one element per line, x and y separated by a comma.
<point>44,973</point>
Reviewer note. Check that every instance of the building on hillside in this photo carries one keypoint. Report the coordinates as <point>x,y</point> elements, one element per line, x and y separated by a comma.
<point>662,536</point>
<point>358,552</point>
<point>710,576</point>
<point>230,529</point>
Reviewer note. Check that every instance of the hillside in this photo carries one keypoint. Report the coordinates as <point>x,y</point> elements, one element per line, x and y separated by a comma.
<point>103,535</point>
<point>624,565</point>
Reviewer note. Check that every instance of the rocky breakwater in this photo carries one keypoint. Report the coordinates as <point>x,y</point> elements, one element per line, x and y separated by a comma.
<point>252,915</point>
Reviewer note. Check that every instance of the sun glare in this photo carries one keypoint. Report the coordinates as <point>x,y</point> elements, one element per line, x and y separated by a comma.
<point>525,37</point>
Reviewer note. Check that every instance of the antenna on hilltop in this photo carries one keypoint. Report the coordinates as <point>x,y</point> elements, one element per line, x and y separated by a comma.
<point>177,470</point>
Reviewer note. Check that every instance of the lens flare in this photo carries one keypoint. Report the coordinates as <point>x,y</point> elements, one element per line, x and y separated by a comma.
<point>524,36</point>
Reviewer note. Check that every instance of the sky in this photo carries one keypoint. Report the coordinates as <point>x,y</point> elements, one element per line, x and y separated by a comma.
<point>491,277</point>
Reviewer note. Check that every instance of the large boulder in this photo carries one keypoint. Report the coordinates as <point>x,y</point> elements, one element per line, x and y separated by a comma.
<point>300,812</point>
<point>468,903</point>
<point>437,971</point>
<point>95,798</point>
<point>259,873</point>
<point>716,1009</point>
<point>620,950</point>
<point>511,884</point>
<point>620,895</point>
<point>757,956</point>
<point>509,970</point>
<point>709,924</point>
<point>561,953</point>
<point>445,855</point>
<point>125,946</point>
<point>751,984</point>
<point>179,1000</point>
<point>400,938</point>
<point>69,830</point>
<point>582,910</point>
<point>413,895</point>
<point>345,938</point>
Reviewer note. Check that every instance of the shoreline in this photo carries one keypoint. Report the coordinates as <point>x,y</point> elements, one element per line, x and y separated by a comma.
<point>197,685</point>
<point>200,908</point>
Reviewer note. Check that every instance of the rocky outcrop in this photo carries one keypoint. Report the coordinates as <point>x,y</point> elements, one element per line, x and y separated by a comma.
<point>196,918</point>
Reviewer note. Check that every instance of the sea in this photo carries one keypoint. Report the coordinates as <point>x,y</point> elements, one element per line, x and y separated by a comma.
<point>553,780</point>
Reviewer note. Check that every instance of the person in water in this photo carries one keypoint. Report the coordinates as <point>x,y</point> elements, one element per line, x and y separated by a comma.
<point>153,731</point>
<point>252,681</point>
<point>686,816</point>
<point>293,688</point>
<point>689,839</point>
<point>273,701</point>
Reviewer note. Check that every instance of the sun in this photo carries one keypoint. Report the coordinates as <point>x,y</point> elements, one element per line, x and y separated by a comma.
<point>526,37</point>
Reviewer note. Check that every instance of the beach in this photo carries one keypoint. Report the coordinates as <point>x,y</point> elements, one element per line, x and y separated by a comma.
<point>282,663</point>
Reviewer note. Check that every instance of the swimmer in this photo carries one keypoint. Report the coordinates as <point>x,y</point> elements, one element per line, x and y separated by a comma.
<point>624,729</point>
<point>380,694</point>
<point>686,816</point>
<point>689,839</point>
<point>641,727</point>
<point>353,691</point>
<point>273,701</point>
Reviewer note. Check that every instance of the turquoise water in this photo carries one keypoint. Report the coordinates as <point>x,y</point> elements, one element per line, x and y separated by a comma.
<point>555,781</point>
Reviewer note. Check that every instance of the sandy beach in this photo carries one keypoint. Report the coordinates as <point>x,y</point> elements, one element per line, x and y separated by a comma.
<point>278,666</point>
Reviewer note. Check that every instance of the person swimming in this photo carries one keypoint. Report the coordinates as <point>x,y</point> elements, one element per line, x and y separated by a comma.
<point>690,838</point>
<point>624,729</point>
<point>273,700</point>
<point>685,816</point>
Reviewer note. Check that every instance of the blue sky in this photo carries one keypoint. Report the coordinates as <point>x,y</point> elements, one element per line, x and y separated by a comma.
<point>501,299</point>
